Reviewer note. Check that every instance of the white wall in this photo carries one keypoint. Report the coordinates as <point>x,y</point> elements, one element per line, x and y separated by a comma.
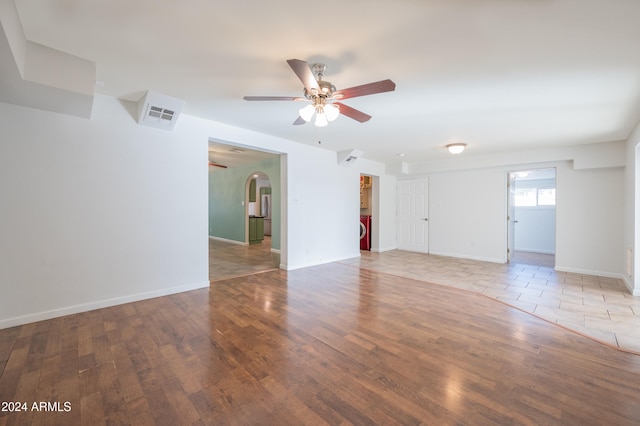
<point>467,211</point>
<point>468,204</point>
<point>103,211</point>
<point>589,214</point>
<point>96,212</point>
<point>323,208</point>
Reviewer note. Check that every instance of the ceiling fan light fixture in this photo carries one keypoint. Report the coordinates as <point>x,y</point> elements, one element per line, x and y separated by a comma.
<point>456,148</point>
<point>307,112</point>
<point>321,118</point>
<point>332,111</point>
<point>320,92</point>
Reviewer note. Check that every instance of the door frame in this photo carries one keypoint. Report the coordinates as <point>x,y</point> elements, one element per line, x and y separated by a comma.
<point>512,220</point>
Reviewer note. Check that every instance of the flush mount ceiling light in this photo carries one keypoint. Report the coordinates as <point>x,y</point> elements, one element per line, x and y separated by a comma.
<point>456,148</point>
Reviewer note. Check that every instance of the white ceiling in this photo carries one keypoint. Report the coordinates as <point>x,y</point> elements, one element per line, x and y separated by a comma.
<point>496,74</point>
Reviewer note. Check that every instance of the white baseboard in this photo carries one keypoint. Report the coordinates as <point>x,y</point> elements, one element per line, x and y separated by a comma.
<point>319,262</point>
<point>590,272</point>
<point>242,243</point>
<point>382,249</point>
<point>84,307</point>
<point>629,284</point>
<point>532,250</point>
<point>464,256</point>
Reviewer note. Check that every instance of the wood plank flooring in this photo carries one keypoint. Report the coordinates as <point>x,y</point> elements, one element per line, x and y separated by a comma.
<point>331,344</point>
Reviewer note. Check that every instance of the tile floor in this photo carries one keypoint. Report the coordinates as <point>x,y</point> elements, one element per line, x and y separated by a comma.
<point>597,307</point>
<point>227,260</point>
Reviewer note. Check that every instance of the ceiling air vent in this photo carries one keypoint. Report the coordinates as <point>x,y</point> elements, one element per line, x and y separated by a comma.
<point>158,110</point>
<point>160,113</point>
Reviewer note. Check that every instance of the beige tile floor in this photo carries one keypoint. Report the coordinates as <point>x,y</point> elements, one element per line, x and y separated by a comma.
<point>597,307</point>
<point>227,260</point>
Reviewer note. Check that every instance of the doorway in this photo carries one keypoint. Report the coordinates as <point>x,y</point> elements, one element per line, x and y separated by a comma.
<point>366,208</point>
<point>531,217</point>
<point>231,169</point>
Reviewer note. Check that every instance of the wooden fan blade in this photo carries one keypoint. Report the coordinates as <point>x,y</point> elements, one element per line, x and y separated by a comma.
<point>302,70</point>
<point>299,121</point>
<point>352,112</point>
<point>211,163</point>
<point>273,98</point>
<point>366,89</point>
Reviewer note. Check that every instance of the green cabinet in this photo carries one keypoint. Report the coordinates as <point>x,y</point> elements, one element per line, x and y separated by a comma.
<point>252,191</point>
<point>264,190</point>
<point>256,230</point>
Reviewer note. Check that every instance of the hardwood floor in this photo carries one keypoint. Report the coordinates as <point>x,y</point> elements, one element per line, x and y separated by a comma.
<point>332,344</point>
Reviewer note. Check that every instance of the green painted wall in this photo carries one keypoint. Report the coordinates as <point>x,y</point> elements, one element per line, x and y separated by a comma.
<point>226,193</point>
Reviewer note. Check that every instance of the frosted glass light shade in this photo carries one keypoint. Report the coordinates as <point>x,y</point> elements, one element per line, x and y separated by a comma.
<point>331,111</point>
<point>307,112</point>
<point>321,119</point>
<point>456,148</point>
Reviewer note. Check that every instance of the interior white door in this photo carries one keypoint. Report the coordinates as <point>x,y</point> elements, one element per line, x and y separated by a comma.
<point>412,215</point>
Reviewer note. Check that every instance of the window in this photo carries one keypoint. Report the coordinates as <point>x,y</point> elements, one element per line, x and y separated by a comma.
<point>532,197</point>
<point>547,197</point>
<point>524,197</point>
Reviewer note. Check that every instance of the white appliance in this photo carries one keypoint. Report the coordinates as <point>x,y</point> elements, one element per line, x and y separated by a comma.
<point>265,210</point>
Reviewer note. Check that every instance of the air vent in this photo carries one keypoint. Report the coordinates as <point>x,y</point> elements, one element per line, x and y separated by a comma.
<point>161,113</point>
<point>157,110</point>
<point>346,158</point>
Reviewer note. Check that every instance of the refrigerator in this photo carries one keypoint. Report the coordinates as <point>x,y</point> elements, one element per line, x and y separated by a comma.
<point>265,210</point>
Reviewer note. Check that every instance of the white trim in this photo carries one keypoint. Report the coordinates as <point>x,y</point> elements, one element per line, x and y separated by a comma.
<point>321,262</point>
<point>380,250</point>
<point>530,250</point>
<point>459,256</point>
<point>84,307</point>
<point>590,272</point>
<point>627,282</point>
<point>241,243</point>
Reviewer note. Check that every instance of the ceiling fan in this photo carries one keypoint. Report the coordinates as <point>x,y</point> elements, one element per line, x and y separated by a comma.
<point>215,164</point>
<point>323,95</point>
